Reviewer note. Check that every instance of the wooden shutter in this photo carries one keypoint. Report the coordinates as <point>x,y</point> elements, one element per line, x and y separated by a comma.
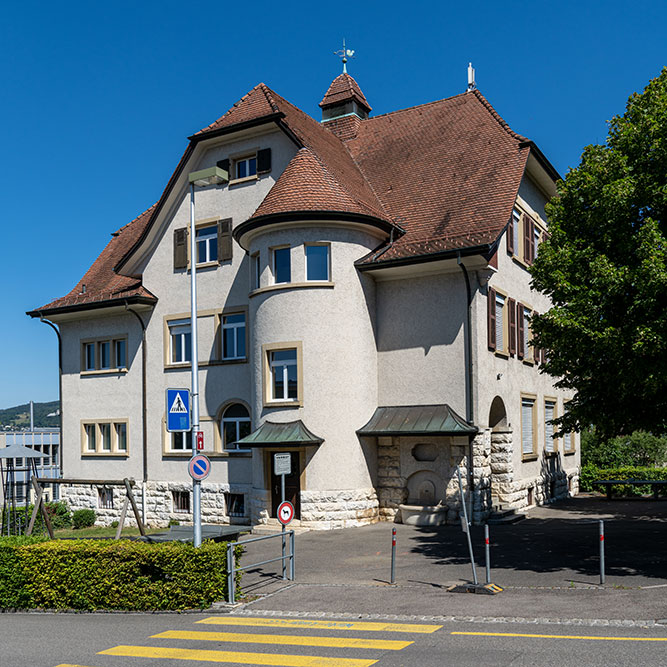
<point>264,161</point>
<point>520,331</point>
<point>511,308</point>
<point>181,248</point>
<point>510,236</point>
<point>533,243</point>
<point>224,165</point>
<point>225,243</point>
<point>526,239</point>
<point>492,319</point>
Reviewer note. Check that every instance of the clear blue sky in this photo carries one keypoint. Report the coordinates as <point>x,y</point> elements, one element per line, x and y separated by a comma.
<point>98,99</point>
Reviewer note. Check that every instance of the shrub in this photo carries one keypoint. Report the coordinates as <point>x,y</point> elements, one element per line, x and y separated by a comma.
<point>93,574</point>
<point>83,518</point>
<point>637,449</point>
<point>59,514</point>
<point>591,474</point>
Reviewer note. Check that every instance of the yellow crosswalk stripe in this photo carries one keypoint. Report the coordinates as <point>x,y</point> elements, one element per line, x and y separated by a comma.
<point>282,640</point>
<point>66,664</point>
<point>255,621</point>
<point>601,638</point>
<point>242,658</point>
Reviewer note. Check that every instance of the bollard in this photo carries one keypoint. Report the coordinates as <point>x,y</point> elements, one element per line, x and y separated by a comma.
<point>488,553</point>
<point>393,555</point>
<point>601,552</point>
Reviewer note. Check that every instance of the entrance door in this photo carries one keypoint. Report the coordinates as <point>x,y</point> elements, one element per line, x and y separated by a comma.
<point>292,486</point>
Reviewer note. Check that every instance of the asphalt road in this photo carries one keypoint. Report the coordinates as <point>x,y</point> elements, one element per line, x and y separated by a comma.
<point>128,640</point>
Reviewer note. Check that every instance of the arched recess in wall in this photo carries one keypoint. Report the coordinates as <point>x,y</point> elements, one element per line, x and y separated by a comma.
<point>497,415</point>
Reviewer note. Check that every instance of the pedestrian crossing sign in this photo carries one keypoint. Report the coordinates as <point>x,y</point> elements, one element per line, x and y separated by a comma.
<point>178,410</point>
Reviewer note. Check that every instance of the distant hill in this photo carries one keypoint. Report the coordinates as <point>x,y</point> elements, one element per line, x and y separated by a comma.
<point>19,416</point>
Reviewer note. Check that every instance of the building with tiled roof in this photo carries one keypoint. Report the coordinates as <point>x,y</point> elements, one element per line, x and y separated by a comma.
<point>363,304</point>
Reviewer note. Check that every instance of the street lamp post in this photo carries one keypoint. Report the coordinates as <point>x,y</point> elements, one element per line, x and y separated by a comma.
<point>203,178</point>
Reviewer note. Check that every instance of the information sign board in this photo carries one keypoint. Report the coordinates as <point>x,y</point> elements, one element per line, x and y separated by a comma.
<point>282,464</point>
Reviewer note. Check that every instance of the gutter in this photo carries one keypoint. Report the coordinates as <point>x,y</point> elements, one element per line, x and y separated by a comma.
<point>468,380</point>
<point>107,303</point>
<point>144,426</point>
<point>60,384</point>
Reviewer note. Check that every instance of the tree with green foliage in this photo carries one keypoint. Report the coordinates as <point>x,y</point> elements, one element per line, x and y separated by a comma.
<point>637,449</point>
<point>604,266</point>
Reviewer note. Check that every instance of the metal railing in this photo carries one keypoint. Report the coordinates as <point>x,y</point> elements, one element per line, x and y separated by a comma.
<point>231,560</point>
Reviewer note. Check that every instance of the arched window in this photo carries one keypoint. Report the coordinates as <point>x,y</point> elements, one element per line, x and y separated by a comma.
<point>235,424</point>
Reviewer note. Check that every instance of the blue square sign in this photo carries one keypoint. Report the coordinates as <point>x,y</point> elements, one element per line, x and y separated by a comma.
<point>178,410</point>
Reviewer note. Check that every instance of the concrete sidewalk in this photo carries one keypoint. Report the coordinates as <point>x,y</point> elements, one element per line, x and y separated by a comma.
<point>548,565</point>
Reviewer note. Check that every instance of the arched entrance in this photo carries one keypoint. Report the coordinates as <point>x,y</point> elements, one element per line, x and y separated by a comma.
<point>502,468</point>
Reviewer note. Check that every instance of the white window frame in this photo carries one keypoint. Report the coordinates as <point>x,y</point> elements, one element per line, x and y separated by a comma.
<point>240,332</point>
<point>185,438</point>
<point>103,435</point>
<point>237,421</point>
<point>268,352</point>
<point>327,246</point>
<point>247,161</point>
<point>210,241</point>
<point>178,333</point>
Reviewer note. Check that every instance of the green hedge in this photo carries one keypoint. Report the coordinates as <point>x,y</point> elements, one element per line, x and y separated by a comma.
<point>94,574</point>
<point>591,474</point>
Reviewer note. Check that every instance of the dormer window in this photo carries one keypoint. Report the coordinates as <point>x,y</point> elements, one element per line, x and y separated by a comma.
<point>247,166</point>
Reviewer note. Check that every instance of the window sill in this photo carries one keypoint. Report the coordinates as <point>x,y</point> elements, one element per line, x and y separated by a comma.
<point>502,354</point>
<point>528,362</point>
<point>311,284</point>
<point>527,458</point>
<point>291,403</point>
<point>247,179</point>
<point>226,362</point>
<point>116,455</point>
<point>240,454</point>
<point>207,265</point>
<point>570,453</point>
<point>104,371</point>
<point>551,455</point>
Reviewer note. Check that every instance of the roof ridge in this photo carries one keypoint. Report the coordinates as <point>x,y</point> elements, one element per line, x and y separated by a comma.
<point>501,121</point>
<point>268,93</point>
<point>141,215</point>
<point>415,106</point>
<point>234,106</point>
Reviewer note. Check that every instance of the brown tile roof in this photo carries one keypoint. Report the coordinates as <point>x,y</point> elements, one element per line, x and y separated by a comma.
<point>342,89</point>
<point>448,172</point>
<point>307,185</point>
<point>102,283</point>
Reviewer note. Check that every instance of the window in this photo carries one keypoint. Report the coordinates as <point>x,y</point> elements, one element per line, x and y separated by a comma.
<point>181,501</point>
<point>234,336</point>
<point>569,440</point>
<point>104,498</point>
<point>549,415</point>
<point>529,239</point>
<point>235,503</point>
<point>528,430</point>
<point>514,233</point>
<point>255,271</point>
<point>245,166</point>
<point>282,271</point>
<point>207,244</point>
<point>180,338</point>
<point>283,375</point>
<point>234,426</point>
<point>181,441</point>
<point>497,321</point>
<point>317,262</point>
<point>527,349</point>
<point>108,438</point>
<point>104,355</point>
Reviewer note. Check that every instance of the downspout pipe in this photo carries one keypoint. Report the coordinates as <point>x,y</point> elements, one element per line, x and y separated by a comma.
<point>468,376</point>
<point>60,385</point>
<point>144,427</point>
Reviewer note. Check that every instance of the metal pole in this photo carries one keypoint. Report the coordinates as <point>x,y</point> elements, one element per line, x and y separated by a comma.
<point>194,363</point>
<point>488,553</point>
<point>282,495</point>
<point>393,555</point>
<point>601,552</point>
<point>291,547</point>
<point>467,527</point>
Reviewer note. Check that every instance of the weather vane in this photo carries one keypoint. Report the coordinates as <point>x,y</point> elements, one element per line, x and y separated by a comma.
<point>344,53</point>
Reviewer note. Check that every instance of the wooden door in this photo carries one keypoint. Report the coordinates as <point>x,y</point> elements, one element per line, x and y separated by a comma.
<point>292,486</point>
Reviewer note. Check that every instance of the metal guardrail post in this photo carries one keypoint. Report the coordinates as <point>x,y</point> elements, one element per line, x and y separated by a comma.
<point>393,555</point>
<point>291,548</point>
<point>602,577</point>
<point>488,553</point>
<point>230,573</point>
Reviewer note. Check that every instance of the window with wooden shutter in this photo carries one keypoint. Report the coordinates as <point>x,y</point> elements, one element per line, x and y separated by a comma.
<point>527,426</point>
<point>181,248</point>
<point>520,331</point>
<point>224,165</point>
<point>264,161</point>
<point>225,242</point>
<point>513,235</point>
<point>511,307</point>
<point>510,237</point>
<point>500,323</point>
<point>527,349</point>
<point>491,318</point>
<point>549,415</point>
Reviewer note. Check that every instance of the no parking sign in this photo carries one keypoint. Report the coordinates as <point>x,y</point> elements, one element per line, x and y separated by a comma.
<point>199,467</point>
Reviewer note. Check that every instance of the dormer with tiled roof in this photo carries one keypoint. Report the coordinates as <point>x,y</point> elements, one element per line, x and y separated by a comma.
<point>344,106</point>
